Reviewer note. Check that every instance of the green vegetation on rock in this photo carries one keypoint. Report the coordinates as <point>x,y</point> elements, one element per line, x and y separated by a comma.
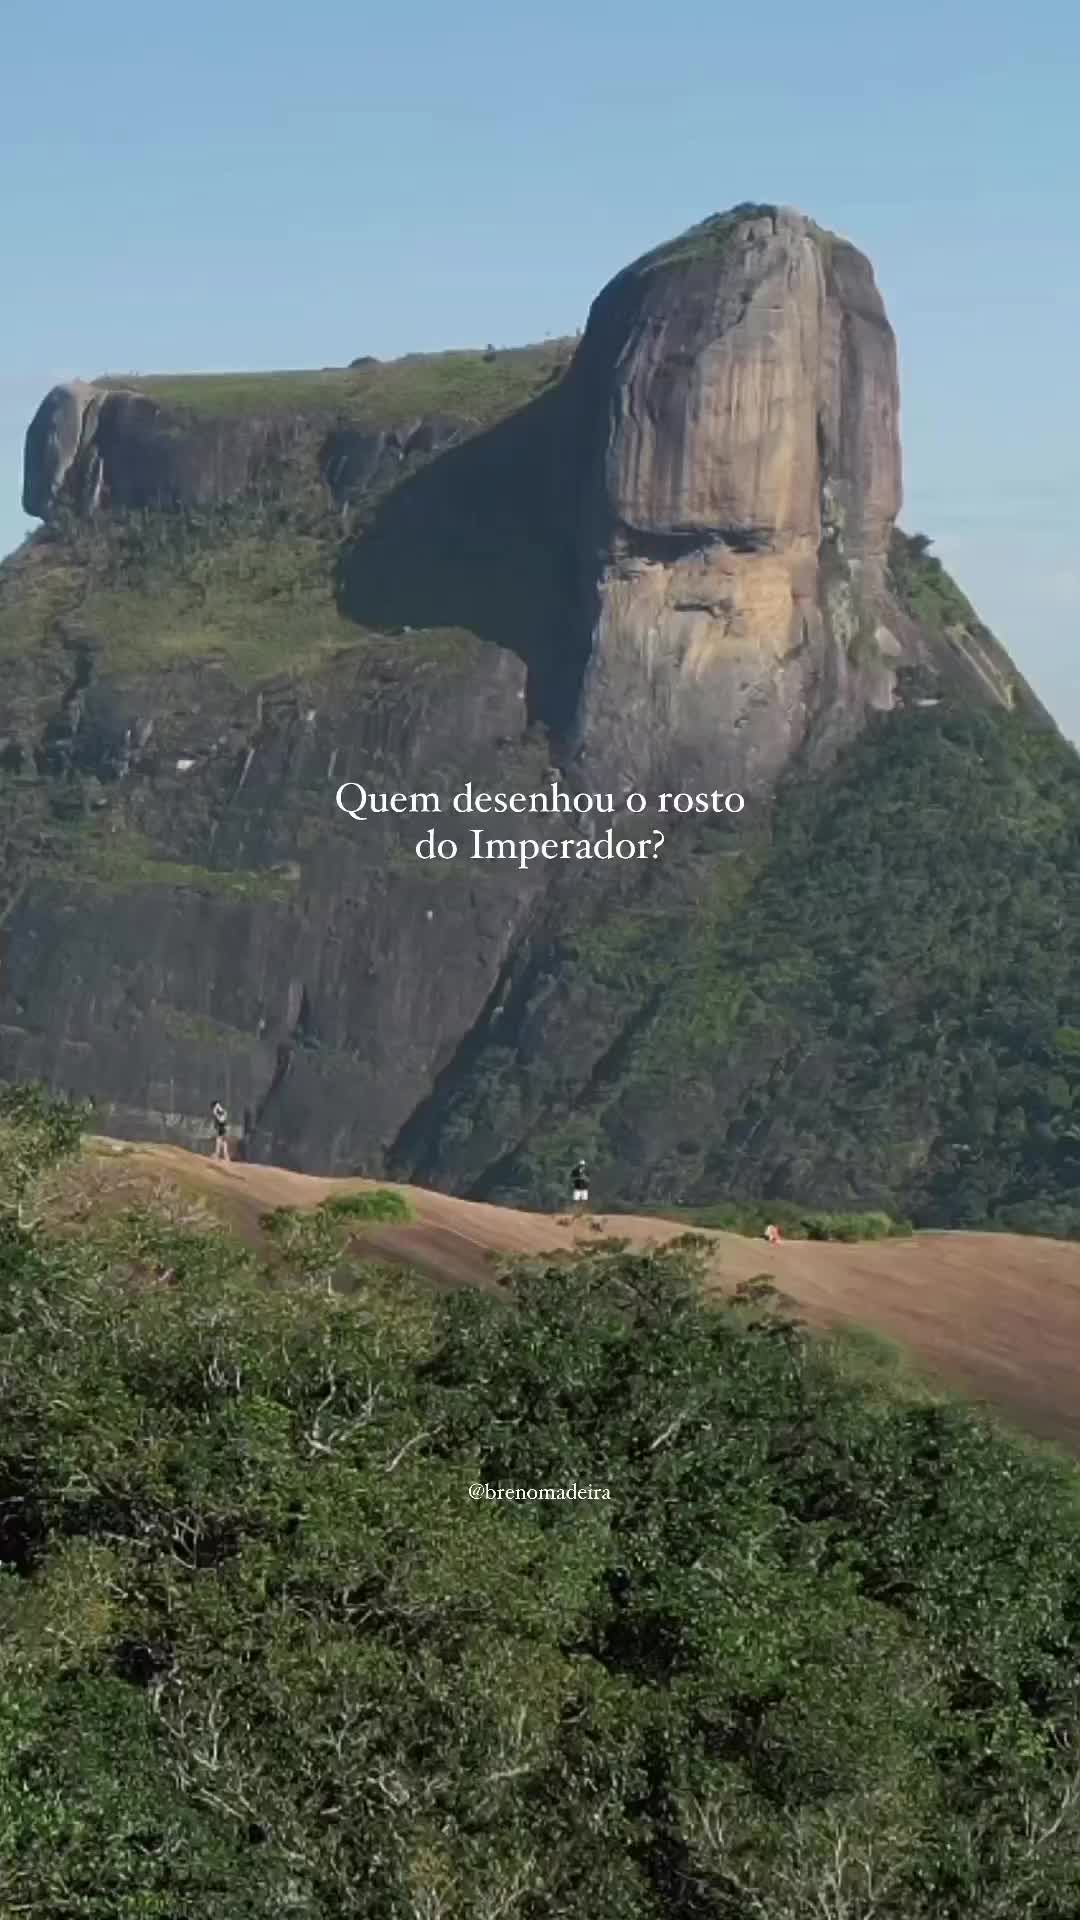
<point>250,586</point>
<point>925,589</point>
<point>796,1223</point>
<point>114,857</point>
<point>196,1030</point>
<point>378,1203</point>
<point>703,241</point>
<point>479,386</point>
<point>312,1244</point>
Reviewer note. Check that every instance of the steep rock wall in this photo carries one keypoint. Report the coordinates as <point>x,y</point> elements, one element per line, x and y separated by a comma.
<point>219,929</point>
<point>89,447</point>
<point>736,403</point>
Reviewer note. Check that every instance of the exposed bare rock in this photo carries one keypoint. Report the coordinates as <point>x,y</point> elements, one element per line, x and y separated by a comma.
<point>90,446</point>
<point>55,438</point>
<point>355,460</point>
<point>738,400</point>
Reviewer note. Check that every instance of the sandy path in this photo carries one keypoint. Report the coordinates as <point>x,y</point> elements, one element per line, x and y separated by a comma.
<point>997,1315</point>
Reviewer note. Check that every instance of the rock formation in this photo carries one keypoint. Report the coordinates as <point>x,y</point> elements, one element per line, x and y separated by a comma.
<point>740,448</point>
<point>91,447</point>
<point>674,558</point>
<point>723,469</point>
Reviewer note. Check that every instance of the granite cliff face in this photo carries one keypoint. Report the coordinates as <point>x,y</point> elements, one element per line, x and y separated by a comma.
<point>740,406</point>
<point>92,448</point>
<point>665,557</point>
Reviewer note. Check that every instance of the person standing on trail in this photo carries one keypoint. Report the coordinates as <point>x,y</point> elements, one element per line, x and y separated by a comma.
<point>773,1235</point>
<point>579,1184</point>
<point>221,1131</point>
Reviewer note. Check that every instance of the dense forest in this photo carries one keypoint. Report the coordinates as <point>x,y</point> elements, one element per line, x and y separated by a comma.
<point>807,1651</point>
<point>877,1004</point>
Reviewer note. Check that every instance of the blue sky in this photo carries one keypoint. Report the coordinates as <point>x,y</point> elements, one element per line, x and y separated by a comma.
<point>230,185</point>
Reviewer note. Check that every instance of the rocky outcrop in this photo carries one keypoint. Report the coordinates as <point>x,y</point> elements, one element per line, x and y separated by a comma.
<point>355,461</point>
<point>738,406</point>
<point>734,377</point>
<point>91,447</point>
<point>686,540</point>
<point>60,431</point>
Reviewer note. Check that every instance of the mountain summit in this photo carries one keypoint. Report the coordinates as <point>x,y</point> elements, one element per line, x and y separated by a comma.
<point>739,397</point>
<point>723,477</point>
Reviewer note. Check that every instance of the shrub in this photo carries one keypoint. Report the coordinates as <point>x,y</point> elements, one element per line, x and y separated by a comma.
<point>796,1223</point>
<point>378,1203</point>
<point>37,1131</point>
<point>1056,1219</point>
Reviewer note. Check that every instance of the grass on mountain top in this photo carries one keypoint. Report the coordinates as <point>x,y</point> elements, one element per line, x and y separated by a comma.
<point>710,238</point>
<point>84,1193</point>
<point>380,395</point>
<point>704,241</point>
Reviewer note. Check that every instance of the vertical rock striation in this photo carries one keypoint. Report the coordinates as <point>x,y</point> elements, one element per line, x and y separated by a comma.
<point>736,405</point>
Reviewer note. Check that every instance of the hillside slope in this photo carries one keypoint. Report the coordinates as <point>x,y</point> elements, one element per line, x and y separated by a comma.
<point>994,1315</point>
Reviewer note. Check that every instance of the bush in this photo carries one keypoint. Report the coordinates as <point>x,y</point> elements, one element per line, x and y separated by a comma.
<point>379,1203</point>
<point>311,1244</point>
<point>1057,1219</point>
<point>37,1131</point>
<point>796,1223</point>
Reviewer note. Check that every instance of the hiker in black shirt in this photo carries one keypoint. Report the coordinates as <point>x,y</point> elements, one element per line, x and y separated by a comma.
<point>579,1184</point>
<point>221,1131</point>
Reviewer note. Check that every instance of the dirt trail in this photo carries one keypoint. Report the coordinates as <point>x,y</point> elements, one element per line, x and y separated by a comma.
<point>996,1315</point>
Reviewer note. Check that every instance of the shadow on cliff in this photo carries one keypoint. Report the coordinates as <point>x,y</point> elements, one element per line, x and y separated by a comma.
<point>484,538</point>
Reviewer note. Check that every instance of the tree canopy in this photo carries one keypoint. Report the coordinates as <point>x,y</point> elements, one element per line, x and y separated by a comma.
<point>810,1648</point>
